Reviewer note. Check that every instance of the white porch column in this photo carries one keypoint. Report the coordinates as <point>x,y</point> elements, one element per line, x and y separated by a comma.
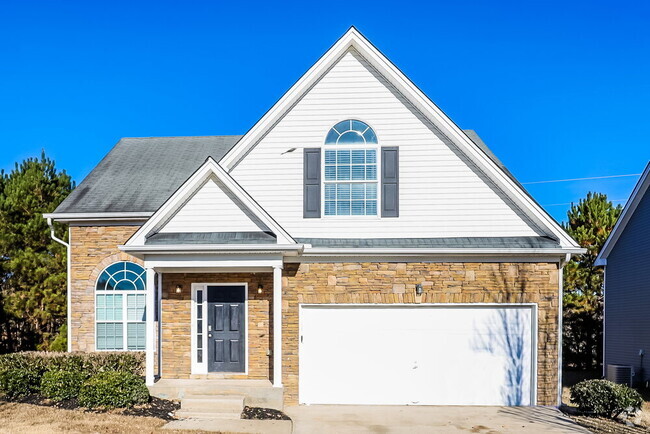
<point>159,335</point>
<point>277,326</point>
<point>150,337</point>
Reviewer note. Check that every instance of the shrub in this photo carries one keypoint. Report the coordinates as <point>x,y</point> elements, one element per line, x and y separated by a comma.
<point>61,385</point>
<point>113,389</point>
<point>19,382</point>
<point>91,363</point>
<point>21,374</point>
<point>604,398</point>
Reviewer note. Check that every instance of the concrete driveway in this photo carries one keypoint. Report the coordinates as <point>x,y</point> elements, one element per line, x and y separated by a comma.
<point>422,419</point>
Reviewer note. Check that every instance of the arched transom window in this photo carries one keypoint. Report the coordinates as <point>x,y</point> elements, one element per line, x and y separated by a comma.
<point>120,307</point>
<point>350,170</point>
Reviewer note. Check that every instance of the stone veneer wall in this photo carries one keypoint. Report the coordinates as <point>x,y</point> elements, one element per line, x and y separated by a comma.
<point>93,248</point>
<point>442,283</point>
<point>176,316</point>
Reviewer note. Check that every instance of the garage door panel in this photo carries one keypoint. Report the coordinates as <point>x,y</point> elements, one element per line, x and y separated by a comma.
<point>415,355</point>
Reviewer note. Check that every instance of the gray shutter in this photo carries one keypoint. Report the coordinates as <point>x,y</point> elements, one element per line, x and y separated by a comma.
<point>390,181</point>
<point>311,180</point>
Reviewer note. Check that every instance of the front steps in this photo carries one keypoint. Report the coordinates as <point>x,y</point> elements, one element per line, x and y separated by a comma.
<point>255,393</point>
<point>211,407</point>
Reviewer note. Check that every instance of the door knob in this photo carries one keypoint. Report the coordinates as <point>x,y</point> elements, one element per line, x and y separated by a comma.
<point>209,335</point>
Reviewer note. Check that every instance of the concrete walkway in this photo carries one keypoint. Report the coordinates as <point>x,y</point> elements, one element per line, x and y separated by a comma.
<point>422,419</point>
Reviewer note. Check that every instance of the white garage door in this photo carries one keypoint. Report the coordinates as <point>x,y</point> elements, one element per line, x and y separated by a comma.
<point>416,355</point>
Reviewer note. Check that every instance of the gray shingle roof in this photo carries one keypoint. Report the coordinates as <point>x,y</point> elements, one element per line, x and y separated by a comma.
<point>432,243</point>
<point>212,238</point>
<point>140,174</point>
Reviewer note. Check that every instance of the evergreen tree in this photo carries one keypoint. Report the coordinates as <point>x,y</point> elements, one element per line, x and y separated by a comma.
<point>32,265</point>
<point>589,223</point>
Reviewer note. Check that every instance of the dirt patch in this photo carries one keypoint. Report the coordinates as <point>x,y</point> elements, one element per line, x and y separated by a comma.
<point>156,407</point>
<point>26,418</point>
<point>260,413</point>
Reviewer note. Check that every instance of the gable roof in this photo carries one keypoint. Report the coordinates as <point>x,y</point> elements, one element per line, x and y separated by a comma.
<point>139,174</point>
<point>209,169</point>
<point>488,164</point>
<point>639,192</point>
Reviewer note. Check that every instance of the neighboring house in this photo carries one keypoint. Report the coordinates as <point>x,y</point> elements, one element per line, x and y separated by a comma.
<point>353,247</point>
<point>626,257</point>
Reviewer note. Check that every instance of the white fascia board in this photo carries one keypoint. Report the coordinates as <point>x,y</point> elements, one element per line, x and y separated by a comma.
<point>353,39</point>
<point>640,190</point>
<point>209,168</point>
<point>98,216</point>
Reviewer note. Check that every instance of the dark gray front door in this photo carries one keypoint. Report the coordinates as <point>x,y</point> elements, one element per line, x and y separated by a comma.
<point>226,328</point>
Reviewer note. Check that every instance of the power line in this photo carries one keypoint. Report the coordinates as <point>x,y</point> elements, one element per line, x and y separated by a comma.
<point>580,179</point>
<point>571,203</point>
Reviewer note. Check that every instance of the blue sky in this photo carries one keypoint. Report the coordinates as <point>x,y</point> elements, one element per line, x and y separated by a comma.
<point>557,89</point>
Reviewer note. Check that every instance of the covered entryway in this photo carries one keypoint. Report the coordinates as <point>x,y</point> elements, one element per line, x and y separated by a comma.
<point>417,354</point>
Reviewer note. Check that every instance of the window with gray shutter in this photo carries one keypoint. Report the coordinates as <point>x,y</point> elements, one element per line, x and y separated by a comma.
<point>390,181</point>
<point>311,180</point>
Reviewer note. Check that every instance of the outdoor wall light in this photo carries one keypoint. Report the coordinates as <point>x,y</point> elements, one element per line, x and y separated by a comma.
<point>179,289</point>
<point>418,289</point>
<point>260,288</point>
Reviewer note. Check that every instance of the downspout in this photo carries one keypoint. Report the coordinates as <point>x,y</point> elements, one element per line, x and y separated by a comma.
<point>68,294</point>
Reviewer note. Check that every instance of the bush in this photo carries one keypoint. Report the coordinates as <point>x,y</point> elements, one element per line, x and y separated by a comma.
<point>604,398</point>
<point>91,363</point>
<point>113,389</point>
<point>21,374</point>
<point>62,385</point>
<point>19,382</point>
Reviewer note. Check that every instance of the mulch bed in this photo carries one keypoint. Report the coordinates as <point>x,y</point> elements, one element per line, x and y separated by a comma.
<point>156,407</point>
<point>601,425</point>
<point>263,414</point>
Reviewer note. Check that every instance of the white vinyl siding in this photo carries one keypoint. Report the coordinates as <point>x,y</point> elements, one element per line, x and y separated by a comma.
<point>440,194</point>
<point>212,209</point>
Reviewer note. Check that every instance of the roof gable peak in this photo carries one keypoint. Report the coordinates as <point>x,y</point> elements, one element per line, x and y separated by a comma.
<point>210,174</point>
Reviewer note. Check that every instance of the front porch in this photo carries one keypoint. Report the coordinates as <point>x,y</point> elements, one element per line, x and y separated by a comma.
<point>255,393</point>
<point>216,328</point>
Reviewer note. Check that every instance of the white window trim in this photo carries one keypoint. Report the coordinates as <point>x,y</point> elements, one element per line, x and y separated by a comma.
<point>202,368</point>
<point>125,315</point>
<point>329,147</point>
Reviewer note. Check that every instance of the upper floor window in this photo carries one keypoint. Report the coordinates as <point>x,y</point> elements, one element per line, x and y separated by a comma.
<point>350,170</point>
<point>120,307</point>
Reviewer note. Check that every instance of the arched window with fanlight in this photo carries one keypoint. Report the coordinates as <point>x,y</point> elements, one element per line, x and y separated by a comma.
<point>350,170</point>
<point>120,307</point>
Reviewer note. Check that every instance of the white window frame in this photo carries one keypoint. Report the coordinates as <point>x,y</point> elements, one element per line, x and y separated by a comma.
<point>202,368</point>
<point>330,147</point>
<point>125,316</point>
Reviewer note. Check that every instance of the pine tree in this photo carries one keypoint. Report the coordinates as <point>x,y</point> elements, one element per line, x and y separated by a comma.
<point>589,223</point>
<point>32,265</point>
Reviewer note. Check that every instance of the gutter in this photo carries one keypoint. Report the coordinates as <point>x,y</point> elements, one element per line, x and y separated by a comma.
<point>440,251</point>
<point>68,278</point>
